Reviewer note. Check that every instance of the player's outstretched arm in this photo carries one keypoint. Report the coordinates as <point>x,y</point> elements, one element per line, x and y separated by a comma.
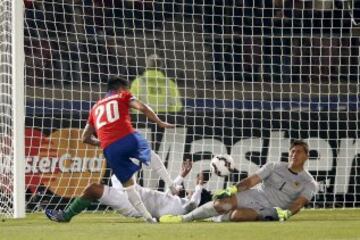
<point>186,168</point>
<point>248,183</point>
<point>243,185</point>
<point>149,113</point>
<point>88,136</point>
<point>295,207</point>
<point>298,204</point>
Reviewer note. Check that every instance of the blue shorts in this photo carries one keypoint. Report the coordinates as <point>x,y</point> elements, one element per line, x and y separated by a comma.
<point>120,153</point>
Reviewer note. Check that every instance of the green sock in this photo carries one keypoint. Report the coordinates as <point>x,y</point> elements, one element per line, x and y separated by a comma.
<point>76,207</point>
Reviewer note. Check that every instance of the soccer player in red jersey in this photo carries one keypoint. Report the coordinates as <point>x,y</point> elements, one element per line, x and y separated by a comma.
<point>109,126</point>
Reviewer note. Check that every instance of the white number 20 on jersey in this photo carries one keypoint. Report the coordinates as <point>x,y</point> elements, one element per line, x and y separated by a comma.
<point>110,109</point>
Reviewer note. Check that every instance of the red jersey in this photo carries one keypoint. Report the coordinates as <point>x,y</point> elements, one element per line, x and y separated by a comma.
<point>111,119</point>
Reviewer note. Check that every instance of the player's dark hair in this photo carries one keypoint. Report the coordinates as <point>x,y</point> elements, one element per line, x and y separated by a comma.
<point>205,197</point>
<point>117,82</point>
<point>298,142</point>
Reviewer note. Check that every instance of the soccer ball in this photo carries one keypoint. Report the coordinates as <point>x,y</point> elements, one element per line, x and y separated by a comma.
<point>222,165</point>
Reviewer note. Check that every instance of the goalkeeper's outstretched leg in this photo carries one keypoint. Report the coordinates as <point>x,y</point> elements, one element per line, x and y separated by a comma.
<point>284,188</point>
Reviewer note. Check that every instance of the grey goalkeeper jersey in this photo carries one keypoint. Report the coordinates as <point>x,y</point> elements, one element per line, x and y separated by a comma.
<point>281,187</point>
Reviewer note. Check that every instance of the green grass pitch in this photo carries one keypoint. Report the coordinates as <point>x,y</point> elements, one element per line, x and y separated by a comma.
<point>309,224</point>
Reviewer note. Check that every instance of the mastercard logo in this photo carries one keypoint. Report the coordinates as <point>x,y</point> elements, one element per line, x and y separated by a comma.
<point>61,162</point>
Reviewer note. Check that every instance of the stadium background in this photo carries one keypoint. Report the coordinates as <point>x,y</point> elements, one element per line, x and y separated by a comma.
<point>249,72</point>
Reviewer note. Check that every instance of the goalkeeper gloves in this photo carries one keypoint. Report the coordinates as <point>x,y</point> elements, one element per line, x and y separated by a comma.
<point>225,193</point>
<point>283,214</point>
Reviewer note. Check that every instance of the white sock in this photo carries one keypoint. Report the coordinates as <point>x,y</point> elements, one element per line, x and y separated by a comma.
<point>135,200</point>
<point>157,165</point>
<point>222,218</point>
<point>205,211</point>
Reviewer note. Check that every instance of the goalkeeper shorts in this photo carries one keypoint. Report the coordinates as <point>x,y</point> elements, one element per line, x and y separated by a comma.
<point>252,198</point>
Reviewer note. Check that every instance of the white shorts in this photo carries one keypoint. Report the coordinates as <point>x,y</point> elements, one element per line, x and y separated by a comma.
<point>157,203</point>
<point>252,198</point>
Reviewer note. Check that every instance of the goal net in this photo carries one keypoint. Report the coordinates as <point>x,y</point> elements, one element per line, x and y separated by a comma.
<point>251,76</point>
<point>5,112</point>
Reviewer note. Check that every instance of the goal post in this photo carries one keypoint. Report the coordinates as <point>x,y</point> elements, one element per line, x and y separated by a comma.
<point>18,101</point>
<point>12,116</point>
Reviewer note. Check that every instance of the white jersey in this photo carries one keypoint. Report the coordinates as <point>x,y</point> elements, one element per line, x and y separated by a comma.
<point>157,203</point>
<point>281,186</point>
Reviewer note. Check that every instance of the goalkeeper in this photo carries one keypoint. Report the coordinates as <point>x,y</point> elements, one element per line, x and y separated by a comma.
<point>285,188</point>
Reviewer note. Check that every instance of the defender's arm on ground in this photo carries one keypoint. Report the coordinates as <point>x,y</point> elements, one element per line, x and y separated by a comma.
<point>88,136</point>
<point>149,113</point>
